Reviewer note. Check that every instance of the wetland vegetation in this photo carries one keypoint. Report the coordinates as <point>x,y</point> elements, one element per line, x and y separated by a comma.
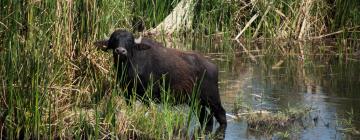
<point>55,84</point>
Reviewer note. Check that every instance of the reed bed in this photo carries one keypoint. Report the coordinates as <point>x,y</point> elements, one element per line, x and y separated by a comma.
<point>55,84</point>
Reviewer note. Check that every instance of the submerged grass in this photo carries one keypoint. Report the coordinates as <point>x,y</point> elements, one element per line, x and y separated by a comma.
<point>266,121</point>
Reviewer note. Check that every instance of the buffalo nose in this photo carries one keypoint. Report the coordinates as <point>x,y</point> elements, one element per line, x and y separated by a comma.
<point>120,51</point>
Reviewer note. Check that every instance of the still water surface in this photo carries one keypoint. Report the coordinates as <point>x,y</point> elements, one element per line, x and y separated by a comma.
<point>328,85</point>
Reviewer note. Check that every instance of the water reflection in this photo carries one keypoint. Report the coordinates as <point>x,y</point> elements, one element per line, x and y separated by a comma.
<point>329,85</point>
<point>331,88</point>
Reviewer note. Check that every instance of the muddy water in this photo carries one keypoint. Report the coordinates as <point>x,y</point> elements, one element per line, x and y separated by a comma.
<point>329,86</point>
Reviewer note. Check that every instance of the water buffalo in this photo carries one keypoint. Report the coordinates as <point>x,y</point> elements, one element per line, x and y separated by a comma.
<point>144,60</point>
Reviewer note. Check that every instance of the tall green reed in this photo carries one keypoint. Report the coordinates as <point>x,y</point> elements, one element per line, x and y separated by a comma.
<point>49,69</point>
<point>43,45</point>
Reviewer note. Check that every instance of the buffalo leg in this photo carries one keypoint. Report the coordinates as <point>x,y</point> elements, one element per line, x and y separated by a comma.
<point>220,115</point>
<point>207,118</point>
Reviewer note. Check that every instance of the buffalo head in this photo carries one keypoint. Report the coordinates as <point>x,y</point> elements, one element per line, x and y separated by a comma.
<point>122,43</point>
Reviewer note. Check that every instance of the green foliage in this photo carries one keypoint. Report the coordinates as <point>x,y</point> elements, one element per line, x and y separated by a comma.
<point>53,82</point>
<point>213,16</point>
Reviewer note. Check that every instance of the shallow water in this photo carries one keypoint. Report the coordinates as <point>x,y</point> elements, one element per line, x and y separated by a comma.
<point>331,87</point>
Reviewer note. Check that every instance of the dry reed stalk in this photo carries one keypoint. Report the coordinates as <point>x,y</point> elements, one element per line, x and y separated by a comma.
<point>301,47</point>
<point>247,52</point>
<point>247,25</point>
<point>298,21</point>
<point>284,29</point>
<point>261,20</point>
<point>307,4</point>
<point>334,33</point>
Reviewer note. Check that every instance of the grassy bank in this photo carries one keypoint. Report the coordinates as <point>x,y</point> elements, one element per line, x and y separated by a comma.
<point>55,84</point>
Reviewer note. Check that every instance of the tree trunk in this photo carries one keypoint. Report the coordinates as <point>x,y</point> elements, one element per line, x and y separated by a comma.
<point>179,19</point>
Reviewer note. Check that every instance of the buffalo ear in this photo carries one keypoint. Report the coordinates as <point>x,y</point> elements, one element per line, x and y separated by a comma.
<point>102,44</point>
<point>139,45</point>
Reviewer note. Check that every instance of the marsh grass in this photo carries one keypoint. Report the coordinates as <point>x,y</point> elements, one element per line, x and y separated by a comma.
<point>55,84</point>
<point>272,122</point>
<point>347,124</point>
<point>267,122</point>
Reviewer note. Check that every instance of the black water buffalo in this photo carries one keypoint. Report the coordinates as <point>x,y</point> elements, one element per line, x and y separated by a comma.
<point>143,61</point>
